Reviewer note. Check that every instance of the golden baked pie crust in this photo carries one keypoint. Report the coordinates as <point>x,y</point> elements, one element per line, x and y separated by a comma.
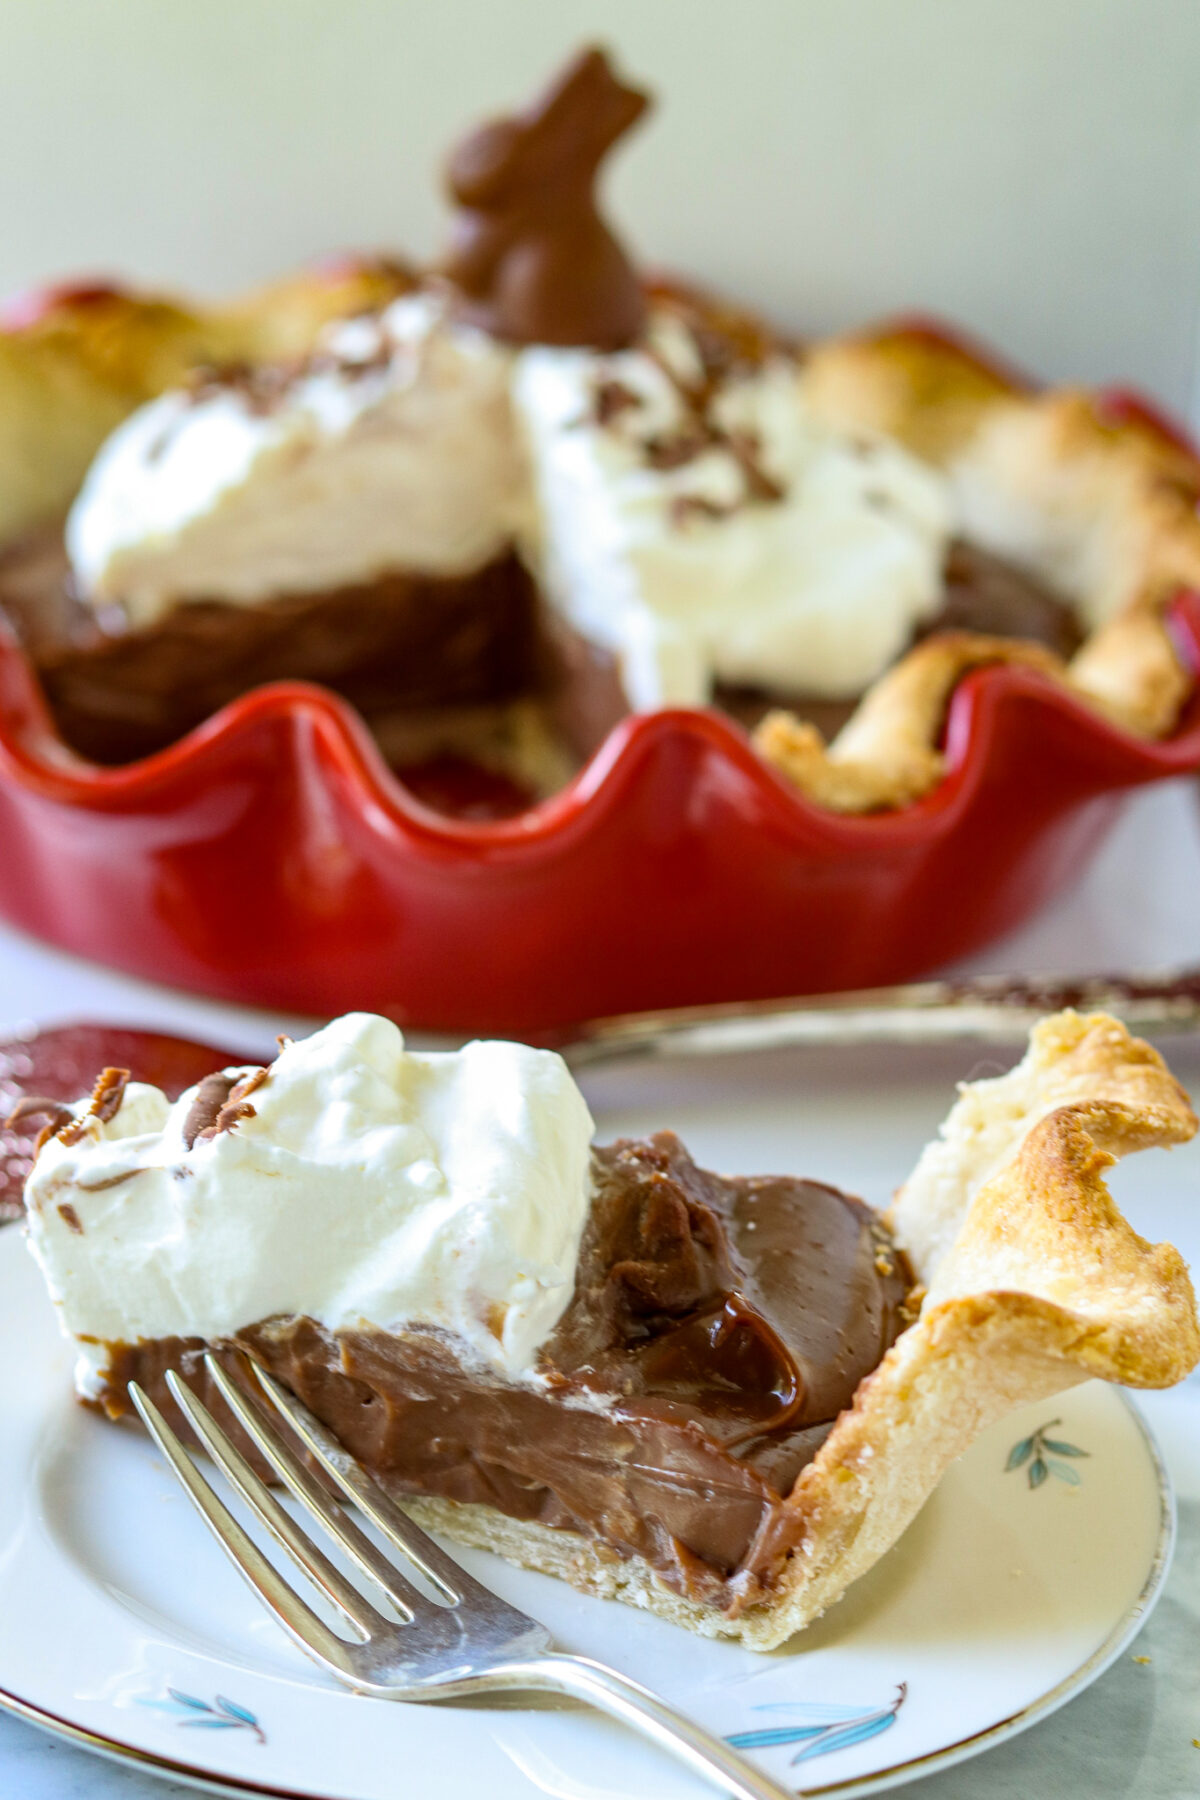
<point>1114,504</point>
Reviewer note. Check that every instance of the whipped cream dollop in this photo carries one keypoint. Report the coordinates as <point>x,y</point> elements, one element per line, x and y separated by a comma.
<point>715,529</point>
<point>391,448</point>
<point>700,522</point>
<point>360,1184</point>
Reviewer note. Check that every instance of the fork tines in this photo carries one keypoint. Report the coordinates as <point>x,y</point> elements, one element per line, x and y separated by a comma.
<point>446,1578</point>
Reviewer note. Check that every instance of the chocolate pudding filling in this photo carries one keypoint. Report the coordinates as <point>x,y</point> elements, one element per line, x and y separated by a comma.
<point>405,643</point>
<point>430,662</point>
<point>718,1327</point>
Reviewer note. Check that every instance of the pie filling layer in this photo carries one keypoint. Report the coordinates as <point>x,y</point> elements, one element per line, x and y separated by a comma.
<point>718,1327</point>
<point>439,666</point>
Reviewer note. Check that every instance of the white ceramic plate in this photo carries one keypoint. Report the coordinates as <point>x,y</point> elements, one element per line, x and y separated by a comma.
<point>124,1628</point>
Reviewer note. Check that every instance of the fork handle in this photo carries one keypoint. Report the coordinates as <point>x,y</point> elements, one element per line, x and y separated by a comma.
<point>637,1706</point>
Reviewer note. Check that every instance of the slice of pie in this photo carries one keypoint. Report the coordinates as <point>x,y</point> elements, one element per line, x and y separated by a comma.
<point>529,492</point>
<point>721,1398</point>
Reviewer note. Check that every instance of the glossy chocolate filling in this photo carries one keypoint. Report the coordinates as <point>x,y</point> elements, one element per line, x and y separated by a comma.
<point>718,1327</point>
<point>428,661</point>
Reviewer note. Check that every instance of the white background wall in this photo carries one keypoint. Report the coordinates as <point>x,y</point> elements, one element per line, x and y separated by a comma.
<point>1029,166</point>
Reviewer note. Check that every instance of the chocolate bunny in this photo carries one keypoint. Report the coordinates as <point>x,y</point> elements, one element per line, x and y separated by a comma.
<point>530,255</point>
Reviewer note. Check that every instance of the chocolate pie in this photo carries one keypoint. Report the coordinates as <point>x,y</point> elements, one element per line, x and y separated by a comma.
<point>720,1398</point>
<point>520,496</point>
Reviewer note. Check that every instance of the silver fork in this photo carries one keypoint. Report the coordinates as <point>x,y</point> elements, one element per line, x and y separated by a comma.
<point>467,1642</point>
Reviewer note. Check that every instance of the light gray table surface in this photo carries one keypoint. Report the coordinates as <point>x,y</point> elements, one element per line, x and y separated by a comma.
<point>1132,1733</point>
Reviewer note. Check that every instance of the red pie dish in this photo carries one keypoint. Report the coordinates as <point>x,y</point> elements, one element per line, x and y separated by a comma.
<point>264,850</point>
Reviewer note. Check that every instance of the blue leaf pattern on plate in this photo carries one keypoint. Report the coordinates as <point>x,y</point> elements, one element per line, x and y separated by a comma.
<point>1043,1450</point>
<point>220,1714</point>
<point>820,1730</point>
<point>841,1738</point>
<point>237,1712</point>
<point>188,1700</point>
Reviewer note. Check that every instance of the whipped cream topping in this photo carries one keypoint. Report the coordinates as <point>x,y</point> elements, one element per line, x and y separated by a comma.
<point>702,526</point>
<point>717,530</point>
<point>362,1184</point>
<point>392,448</point>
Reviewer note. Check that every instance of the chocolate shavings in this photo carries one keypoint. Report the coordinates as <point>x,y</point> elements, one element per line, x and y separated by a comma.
<point>110,1181</point>
<point>701,431</point>
<point>264,387</point>
<point>211,1095</point>
<point>223,1111</point>
<point>698,506</point>
<point>610,398</point>
<point>676,450</point>
<point>32,1106</point>
<point>744,447</point>
<point>108,1094</point>
<point>104,1105</point>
